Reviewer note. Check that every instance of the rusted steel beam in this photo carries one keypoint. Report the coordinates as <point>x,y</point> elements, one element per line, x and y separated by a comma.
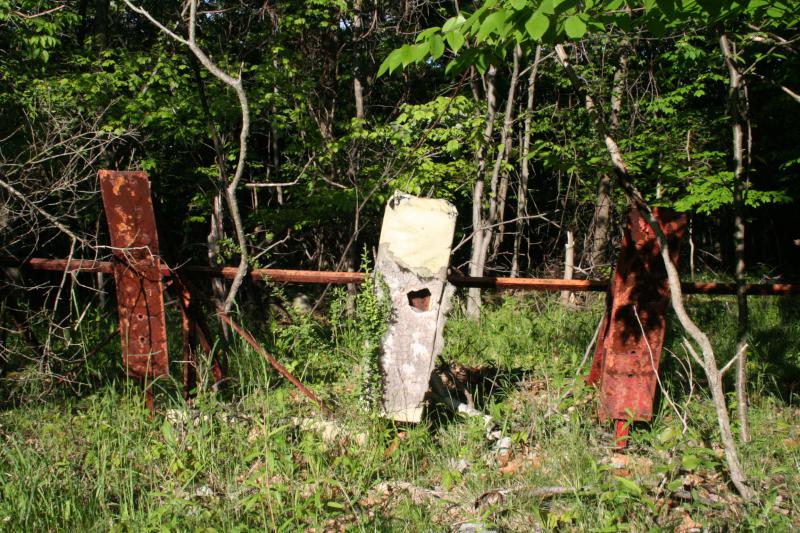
<point>274,362</point>
<point>629,347</point>
<point>343,278</point>
<point>137,272</point>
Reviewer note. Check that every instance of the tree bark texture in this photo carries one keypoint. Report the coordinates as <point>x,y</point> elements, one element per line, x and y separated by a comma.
<point>478,223</point>
<point>525,170</point>
<point>506,141</point>
<point>602,214</point>
<point>739,123</point>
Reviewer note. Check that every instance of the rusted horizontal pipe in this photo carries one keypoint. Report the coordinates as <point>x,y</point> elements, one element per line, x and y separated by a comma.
<point>753,289</point>
<point>342,278</point>
<point>282,275</point>
<point>530,284</point>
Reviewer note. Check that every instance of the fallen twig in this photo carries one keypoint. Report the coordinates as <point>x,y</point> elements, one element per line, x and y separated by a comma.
<point>418,494</point>
<point>274,362</point>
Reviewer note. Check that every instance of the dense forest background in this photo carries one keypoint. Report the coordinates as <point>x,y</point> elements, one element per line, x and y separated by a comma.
<point>92,84</point>
<point>274,132</point>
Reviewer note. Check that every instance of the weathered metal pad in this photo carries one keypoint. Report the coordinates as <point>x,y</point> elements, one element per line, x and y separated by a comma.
<point>137,272</point>
<point>629,347</point>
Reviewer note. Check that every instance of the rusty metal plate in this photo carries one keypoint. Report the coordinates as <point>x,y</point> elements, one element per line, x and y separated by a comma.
<point>137,272</point>
<point>629,348</point>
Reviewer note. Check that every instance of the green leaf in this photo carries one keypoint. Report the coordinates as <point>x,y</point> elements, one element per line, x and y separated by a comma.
<point>407,54</point>
<point>384,67</point>
<point>537,25</point>
<point>547,7</point>
<point>421,51</point>
<point>436,46</point>
<point>390,63</point>
<point>455,39</point>
<point>656,26</point>
<point>562,6</point>
<point>575,27</point>
<point>519,4</point>
<point>629,485</point>
<point>668,435</point>
<point>690,462</point>
<point>775,12</point>
<point>492,24</point>
<point>426,33</point>
<point>667,7</point>
<point>675,484</point>
<point>453,145</point>
<point>453,23</point>
<point>481,62</point>
<point>168,432</point>
<point>712,7</point>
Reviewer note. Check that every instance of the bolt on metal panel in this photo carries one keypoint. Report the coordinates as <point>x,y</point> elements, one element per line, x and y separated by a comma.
<point>629,348</point>
<point>137,272</point>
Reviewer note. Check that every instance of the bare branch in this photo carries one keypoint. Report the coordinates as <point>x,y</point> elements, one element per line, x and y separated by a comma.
<point>742,350</point>
<point>53,220</point>
<point>27,16</point>
<point>794,95</point>
<point>238,87</point>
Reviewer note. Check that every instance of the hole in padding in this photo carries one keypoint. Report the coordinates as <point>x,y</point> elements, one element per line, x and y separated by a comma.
<point>420,300</point>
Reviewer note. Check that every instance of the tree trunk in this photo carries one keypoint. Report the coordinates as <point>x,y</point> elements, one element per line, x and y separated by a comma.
<point>216,232</point>
<point>569,265</point>
<point>739,121</point>
<point>602,221</point>
<point>476,262</point>
<point>100,27</point>
<point>353,167</point>
<point>602,213</point>
<point>506,141</point>
<point>522,193</point>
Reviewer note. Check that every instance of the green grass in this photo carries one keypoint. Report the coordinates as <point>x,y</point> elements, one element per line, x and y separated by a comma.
<point>92,458</point>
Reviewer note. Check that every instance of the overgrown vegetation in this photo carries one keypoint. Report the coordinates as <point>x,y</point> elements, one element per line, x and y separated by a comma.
<point>93,458</point>
<point>273,133</point>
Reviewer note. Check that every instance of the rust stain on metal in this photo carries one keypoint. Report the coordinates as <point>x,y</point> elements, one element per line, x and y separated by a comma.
<point>626,360</point>
<point>621,432</point>
<point>195,331</point>
<point>137,272</point>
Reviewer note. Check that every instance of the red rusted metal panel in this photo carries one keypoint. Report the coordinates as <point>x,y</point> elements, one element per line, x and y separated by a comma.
<point>629,346</point>
<point>137,272</point>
